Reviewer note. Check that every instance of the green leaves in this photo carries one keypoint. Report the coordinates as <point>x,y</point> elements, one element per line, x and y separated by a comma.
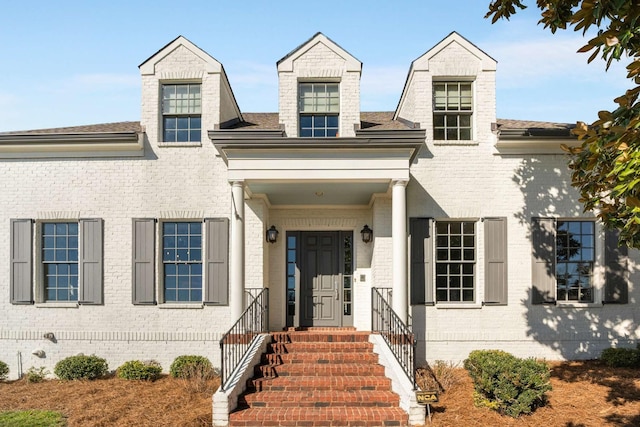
<point>606,166</point>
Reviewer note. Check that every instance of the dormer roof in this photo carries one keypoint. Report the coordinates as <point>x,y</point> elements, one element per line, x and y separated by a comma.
<point>148,66</point>
<point>286,63</point>
<point>422,63</point>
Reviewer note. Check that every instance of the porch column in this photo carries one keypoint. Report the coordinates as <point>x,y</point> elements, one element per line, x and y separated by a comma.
<point>236,261</point>
<point>399,238</point>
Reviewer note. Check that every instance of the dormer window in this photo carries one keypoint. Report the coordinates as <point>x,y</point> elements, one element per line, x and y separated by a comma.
<point>319,106</point>
<point>181,112</point>
<point>452,111</point>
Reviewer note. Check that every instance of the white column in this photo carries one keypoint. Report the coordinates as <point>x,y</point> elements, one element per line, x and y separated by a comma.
<point>236,262</point>
<point>399,237</point>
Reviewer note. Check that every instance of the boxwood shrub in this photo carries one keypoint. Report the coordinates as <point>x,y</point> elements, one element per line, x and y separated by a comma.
<point>4,371</point>
<point>621,357</point>
<point>507,384</point>
<point>190,366</point>
<point>138,370</point>
<point>81,367</point>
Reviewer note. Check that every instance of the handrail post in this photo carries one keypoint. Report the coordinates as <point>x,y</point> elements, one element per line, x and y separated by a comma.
<point>242,334</point>
<point>398,336</point>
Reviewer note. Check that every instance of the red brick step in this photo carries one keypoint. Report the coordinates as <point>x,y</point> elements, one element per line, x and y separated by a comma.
<point>320,377</point>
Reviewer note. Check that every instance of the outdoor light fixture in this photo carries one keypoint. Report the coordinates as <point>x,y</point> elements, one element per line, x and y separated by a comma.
<point>272,234</point>
<point>367,234</point>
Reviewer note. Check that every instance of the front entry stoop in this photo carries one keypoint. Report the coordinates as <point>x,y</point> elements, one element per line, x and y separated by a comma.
<point>319,377</point>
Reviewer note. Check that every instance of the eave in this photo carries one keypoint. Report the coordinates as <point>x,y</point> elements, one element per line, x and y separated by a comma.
<point>409,139</point>
<point>102,144</point>
<point>534,141</point>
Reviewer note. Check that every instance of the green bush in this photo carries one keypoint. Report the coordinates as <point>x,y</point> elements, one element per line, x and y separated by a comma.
<point>191,367</point>
<point>138,370</point>
<point>4,371</point>
<point>81,367</point>
<point>36,375</point>
<point>507,384</point>
<point>621,357</point>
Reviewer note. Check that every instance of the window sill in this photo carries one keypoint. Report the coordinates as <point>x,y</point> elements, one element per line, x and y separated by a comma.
<point>57,305</point>
<point>455,142</point>
<point>471,305</point>
<point>179,144</point>
<point>181,306</point>
<point>578,304</point>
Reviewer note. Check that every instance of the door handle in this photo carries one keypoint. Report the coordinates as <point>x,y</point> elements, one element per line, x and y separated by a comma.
<point>337,290</point>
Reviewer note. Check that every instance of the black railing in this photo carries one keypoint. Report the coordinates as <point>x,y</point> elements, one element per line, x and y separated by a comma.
<point>395,332</point>
<point>235,343</point>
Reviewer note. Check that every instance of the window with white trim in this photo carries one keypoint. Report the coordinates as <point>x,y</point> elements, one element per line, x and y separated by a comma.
<point>575,258</point>
<point>182,261</point>
<point>60,261</point>
<point>452,111</point>
<point>455,261</point>
<point>191,260</point>
<point>68,261</point>
<point>319,108</point>
<point>181,112</point>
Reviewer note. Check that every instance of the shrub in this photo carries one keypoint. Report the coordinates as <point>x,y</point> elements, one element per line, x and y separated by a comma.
<point>439,375</point>
<point>507,384</point>
<point>191,367</point>
<point>137,370</point>
<point>36,375</point>
<point>621,357</point>
<point>4,371</point>
<point>81,367</point>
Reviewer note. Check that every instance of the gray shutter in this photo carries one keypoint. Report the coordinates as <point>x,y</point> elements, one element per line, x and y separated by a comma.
<point>495,253</point>
<point>90,262</point>
<point>616,285</point>
<point>217,261</point>
<point>543,262</point>
<point>421,261</point>
<point>144,244</point>
<point>21,275</point>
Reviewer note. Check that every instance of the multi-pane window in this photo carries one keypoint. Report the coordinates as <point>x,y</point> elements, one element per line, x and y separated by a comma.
<point>319,107</point>
<point>60,260</point>
<point>181,112</point>
<point>182,261</point>
<point>347,274</point>
<point>575,257</point>
<point>455,261</point>
<point>452,111</point>
<point>292,241</point>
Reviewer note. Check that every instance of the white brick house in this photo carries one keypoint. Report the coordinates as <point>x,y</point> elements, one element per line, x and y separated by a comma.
<point>138,240</point>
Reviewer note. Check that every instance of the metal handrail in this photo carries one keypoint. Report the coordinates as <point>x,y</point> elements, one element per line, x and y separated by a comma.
<point>235,343</point>
<point>398,336</point>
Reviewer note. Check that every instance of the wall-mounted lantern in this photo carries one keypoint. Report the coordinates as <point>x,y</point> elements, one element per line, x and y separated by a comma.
<point>367,234</point>
<point>272,234</point>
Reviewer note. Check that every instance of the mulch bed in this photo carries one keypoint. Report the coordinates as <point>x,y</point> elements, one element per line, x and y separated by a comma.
<point>584,394</point>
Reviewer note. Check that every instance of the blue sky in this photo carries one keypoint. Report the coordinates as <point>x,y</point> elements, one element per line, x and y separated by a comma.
<point>68,63</point>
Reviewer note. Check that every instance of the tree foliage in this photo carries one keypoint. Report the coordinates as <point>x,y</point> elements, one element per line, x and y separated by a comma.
<point>606,166</point>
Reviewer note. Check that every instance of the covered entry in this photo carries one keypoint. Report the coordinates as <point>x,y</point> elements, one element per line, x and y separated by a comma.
<point>304,187</point>
<point>319,278</point>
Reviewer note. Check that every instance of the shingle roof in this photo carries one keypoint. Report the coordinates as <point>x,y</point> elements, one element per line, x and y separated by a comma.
<point>379,120</point>
<point>526,124</point>
<point>376,120</point>
<point>99,128</point>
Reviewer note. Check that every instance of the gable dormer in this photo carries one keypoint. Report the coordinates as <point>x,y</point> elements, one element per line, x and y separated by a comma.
<point>451,92</point>
<point>185,93</point>
<point>319,90</point>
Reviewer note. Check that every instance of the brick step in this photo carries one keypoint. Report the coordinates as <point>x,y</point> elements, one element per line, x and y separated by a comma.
<point>327,347</point>
<point>313,369</point>
<point>311,417</point>
<point>321,357</point>
<point>320,398</point>
<point>297,384</point>
<point>319,337</point>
